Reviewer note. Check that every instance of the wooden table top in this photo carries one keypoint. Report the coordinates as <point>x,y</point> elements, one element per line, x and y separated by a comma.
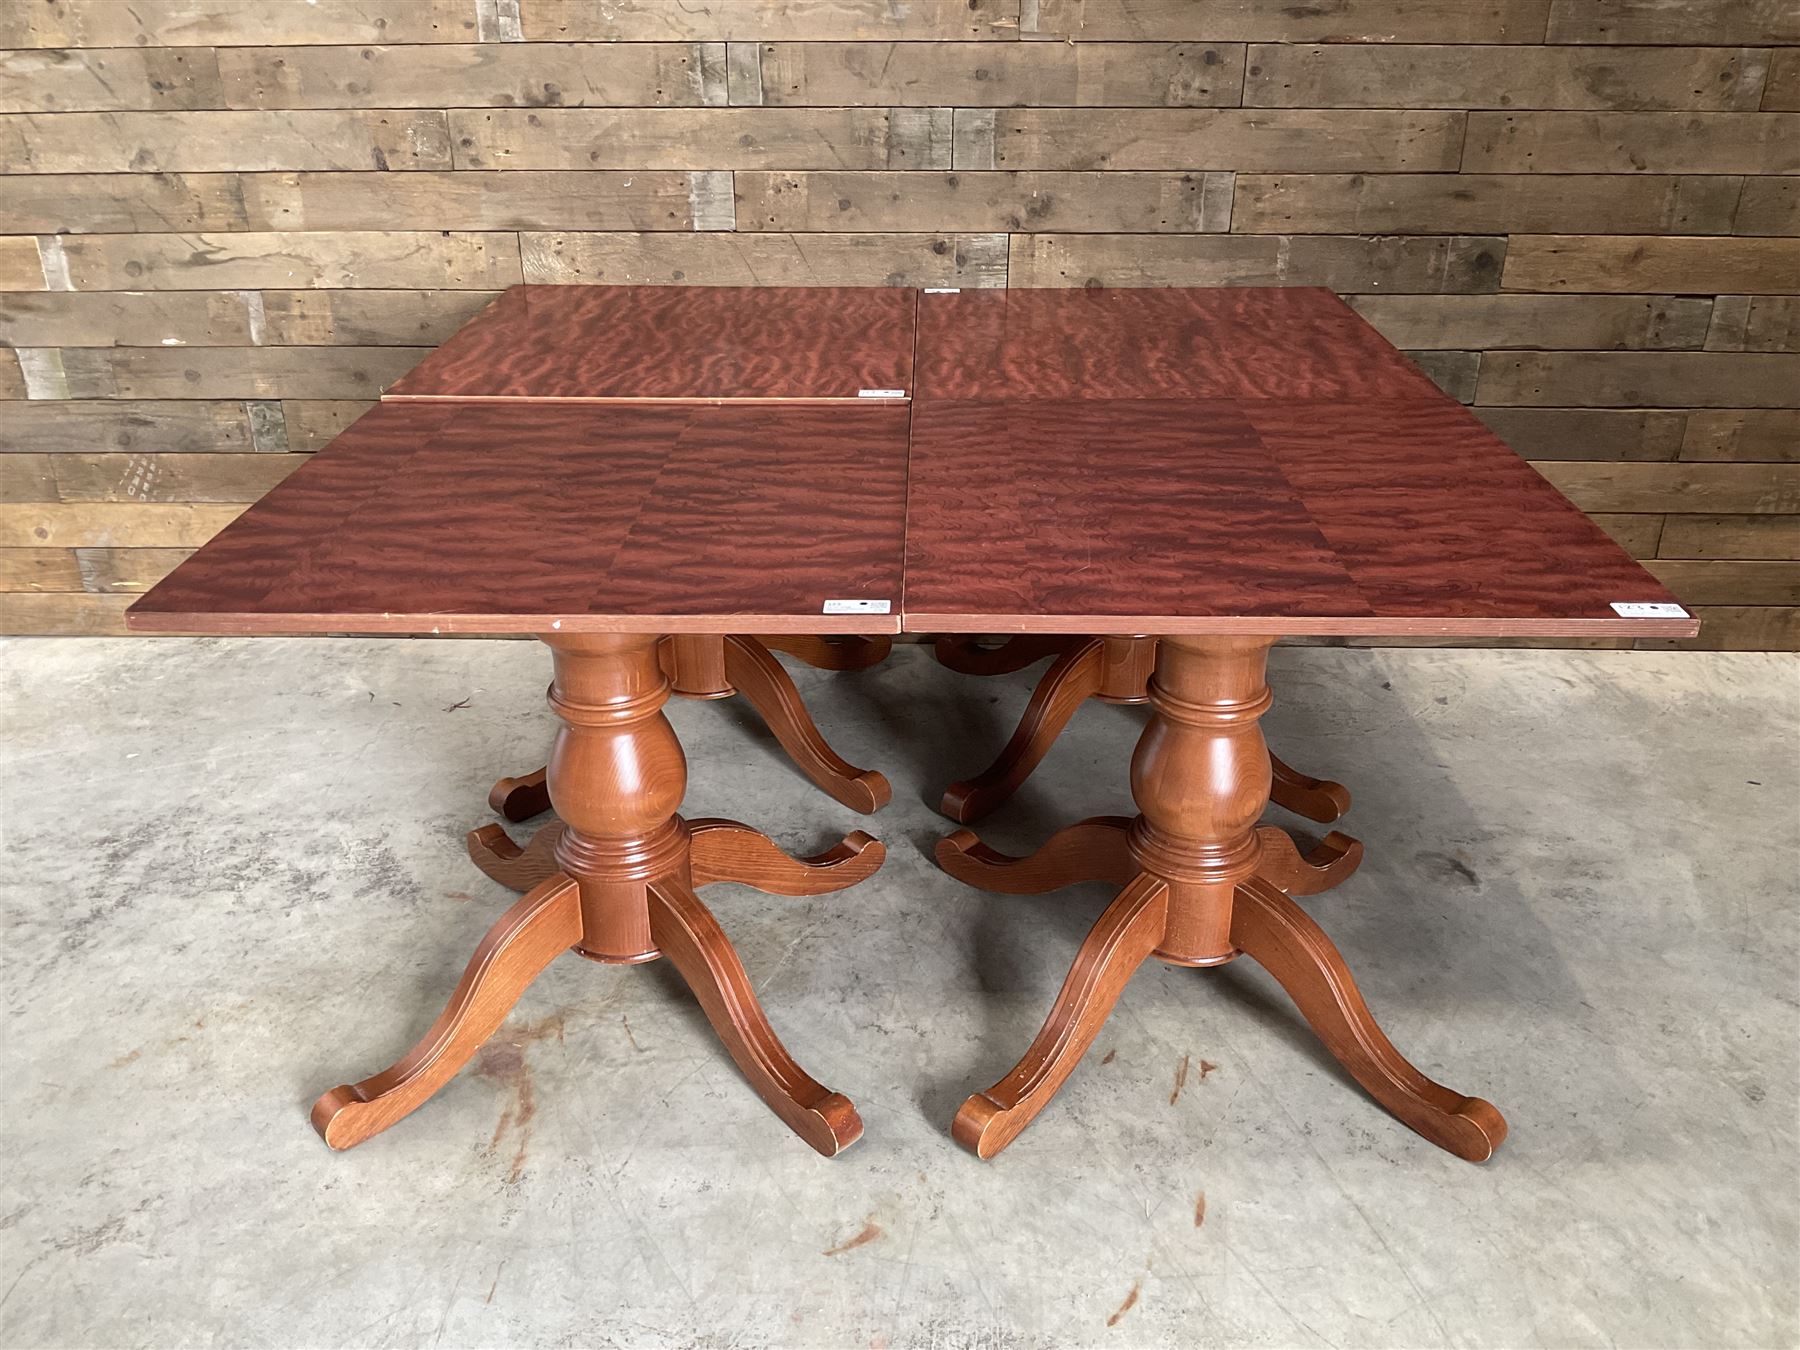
<point>675,343</point>
<point>533,518</point>
<point>1140,461</point>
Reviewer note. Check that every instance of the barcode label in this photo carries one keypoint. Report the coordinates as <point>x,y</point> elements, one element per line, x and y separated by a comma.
<point>1646,610</point>
<point>858,606</point>
<point>881,393</point>
<point>943,290</point>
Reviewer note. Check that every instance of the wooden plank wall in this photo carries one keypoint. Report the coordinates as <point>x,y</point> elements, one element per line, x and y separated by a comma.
<point>226,224</point>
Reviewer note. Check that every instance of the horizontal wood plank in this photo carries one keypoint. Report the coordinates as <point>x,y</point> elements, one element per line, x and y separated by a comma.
<point>21,265</point>
<point>1637,535</point>
<point>1633,142</point>
<point>126,571</point>
<point>985,74</point>
<point>1783,91</point>
<point>1479,322</point>
<point>766,259</point>
<point>1696,265</point>
<point>1757,435</point>
<point>1730,536</point>
<point>367,318</point>
<point>702,138</point>
<point>80,427</point>
<point>209,142</point>
<point>1739,489</point>
<point>1755,323</point>
<point>778,20</point>
<point>109,79</point>
<point>1247,140</point>
<point>127,319</point>
<point>1284,21</point>
<point>379,259</point>
<point>12,376</point>
<point>234,372</point>
<point>312,424</point>
<point>63,614</point>
<point>1759,628</point>
<point>1720,21</point>
<point>1640,379</point>
<point>980,202</point>
<point>111,524</point>
<point>1588,433</point>
<point>1483,203</point>
<point>39,569</point>
<point>1769,206</point>
<point>142,477</point>
<point>1729,582</point>
<point>181,23</point>
<point>1378,75</point>
<point>1417,264</point>
<point>491,74</point>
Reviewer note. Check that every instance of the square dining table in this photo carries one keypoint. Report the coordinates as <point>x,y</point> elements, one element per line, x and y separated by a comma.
<point>1153,485</point>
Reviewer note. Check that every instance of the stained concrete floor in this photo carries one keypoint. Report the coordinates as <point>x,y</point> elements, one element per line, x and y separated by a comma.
<point>234,877</point>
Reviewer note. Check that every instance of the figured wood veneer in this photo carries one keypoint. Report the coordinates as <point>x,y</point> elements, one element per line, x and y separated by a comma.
<point>674,343</point>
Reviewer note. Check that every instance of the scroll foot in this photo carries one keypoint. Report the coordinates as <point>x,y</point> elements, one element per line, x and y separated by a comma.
<point>723,850</point>
<point>1127,932</point>
<point>493,851</point>
<point>528,937</point>
<point>521,798</point>
<point>689,936</point>
<point>1315,798</point>
<point>759,677</point>
<point>1282,866</point>
<point>1065,687</point>
<point>1097,849</point>
<point>1269,927</point>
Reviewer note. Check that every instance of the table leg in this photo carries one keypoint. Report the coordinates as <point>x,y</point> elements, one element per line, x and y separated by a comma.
<point>1202,885</point>
<point>710,667</point>
<point>1113,670</point>
<point>613,880</point>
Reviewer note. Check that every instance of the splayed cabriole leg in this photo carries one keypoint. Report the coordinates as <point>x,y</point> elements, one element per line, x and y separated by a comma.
<point>1205,885</point>
<point>613,880</point>
<point>705,666</point>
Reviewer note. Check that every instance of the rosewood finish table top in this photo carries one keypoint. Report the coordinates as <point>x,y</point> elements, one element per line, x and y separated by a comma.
<point>675,343</point>
<point>539,518</point>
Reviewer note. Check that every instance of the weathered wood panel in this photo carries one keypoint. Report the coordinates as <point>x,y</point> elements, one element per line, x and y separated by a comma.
<point>1633,142</point>
<point>1783,91</point>
<point>1767,436</point>
<point>21,268</point>
<point>1727,536</point>
<point>1637,535</point>
<point>127,319</point>
<point>210,142</point>
<point>153,79</point>
<point>39,569</point>
<point>111,524</point>
<point>1705,266</point>
<point>1731,628</point>
<point>125,571</point>
<point>76,427</point>
<point>1747,489</point>
<point>1478,322</point>
<point>370,318</point>
<point>1769,206</point>
<point>234,372</point>
<point>1453,372</point>
<point>1640,379</point>
<point>12,377</point>
<point>767,259</point>
<point>1284,21</point>
<point>491,74</point>
<point>986,74</point>
<point>1290,140</point>
<point>1721,79</point>
<point>702,138</point>
<point>1125,203</point>
<point>56,614</point>
<point>1721,21</point>
<point>312,425</point>
<point>1482,203</point>
<point>142,477</point>
<point>1588,433</point>
<point>377,259</point>
<point>178,23</point>
<point>1755,323</point>
<point>779,20</point>
<point>1422,263</point>
<point>1730,583</point>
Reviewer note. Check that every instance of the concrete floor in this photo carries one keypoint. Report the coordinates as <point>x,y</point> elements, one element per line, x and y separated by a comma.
<point>234,877</point>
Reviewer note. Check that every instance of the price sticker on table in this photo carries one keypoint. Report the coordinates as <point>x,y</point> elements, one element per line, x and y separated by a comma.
<point>1647,610</point>
<point>858,607</point>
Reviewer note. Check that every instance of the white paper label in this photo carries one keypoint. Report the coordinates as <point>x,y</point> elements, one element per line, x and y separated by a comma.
<point>943,290</point>
<point>1649,611</point>
<point>857,606</point>
<point>881,393</point>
